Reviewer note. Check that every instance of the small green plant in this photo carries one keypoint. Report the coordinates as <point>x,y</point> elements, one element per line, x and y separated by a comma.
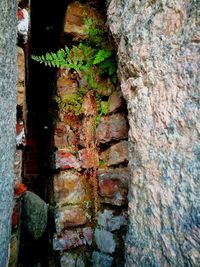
<point>93,63</point>
<point>70,102</point>
<point>103,108</point>
<point>101,162</point>
<point>91,58</point>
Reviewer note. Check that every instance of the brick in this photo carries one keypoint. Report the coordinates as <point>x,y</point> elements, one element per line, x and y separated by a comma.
<point>105,241</point>
<point>113,186</point>
<point>68,188</point>
<point>112,127</point>
<point>69,216</point>
<point>72,120</point>
<point>65,86</point>
<point>115,102</point>
<point>89,104</point>
<point>74,20</point>
<point>18,166</point>
<point>111,220</point>
<point>118,153</point>
<point>71,260</point>
<point>64,159</point>
<point>69,239</point>
<point>64,136</point>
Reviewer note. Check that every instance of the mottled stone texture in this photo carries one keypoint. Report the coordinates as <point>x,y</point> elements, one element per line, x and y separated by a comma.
<point>158,46</point>
<point>90,159</point>
<point>8,79</point>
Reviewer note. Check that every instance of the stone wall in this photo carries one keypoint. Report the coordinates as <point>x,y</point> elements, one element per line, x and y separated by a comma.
<point>158,53</point>
<point>90,186</point>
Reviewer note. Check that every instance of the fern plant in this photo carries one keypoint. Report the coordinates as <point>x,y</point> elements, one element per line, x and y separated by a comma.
<point>93,60</point>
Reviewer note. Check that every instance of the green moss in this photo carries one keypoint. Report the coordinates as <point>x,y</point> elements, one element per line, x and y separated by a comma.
<point>70,102</point>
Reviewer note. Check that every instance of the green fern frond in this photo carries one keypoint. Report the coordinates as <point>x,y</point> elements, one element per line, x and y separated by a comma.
<point>101,56</point>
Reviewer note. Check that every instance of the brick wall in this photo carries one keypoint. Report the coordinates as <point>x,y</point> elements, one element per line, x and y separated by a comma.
<point>90,187</point>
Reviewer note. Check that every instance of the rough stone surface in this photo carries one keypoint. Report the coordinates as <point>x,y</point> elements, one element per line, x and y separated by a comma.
<point>34,213</point>
<point>69,216</point>
<point>105,241</point>
<point>18,166</point>
<point>64,136</point>
<point>8,81</point>
<point>101,260</point>
<point>158,54</point>
<point>89,105</point>
<point>89,158</point>
<point>64,159</point>
<point>115,102</point>
<point>72,238</point>
<point>21,77</point>
<point>71,260</point>
<point>118,153</point>
<point>112,221</point>
<point>68,188</point>
<point>74,20</point>
<point>113,186</point>
<point>112,127</point>
<point>66,85</point>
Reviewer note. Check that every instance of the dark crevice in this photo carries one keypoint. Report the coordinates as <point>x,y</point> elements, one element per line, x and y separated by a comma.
<point>46,27</point>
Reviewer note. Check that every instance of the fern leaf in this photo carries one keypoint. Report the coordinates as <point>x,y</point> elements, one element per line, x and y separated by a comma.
<point>101,56</point>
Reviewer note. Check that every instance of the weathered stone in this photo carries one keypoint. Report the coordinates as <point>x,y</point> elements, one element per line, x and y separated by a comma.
<point>66,85</point>
<point>34,214</point>
<point>115,102</point>
<point>111,221</point>
<point>72,120</point>
<point>112,127</point>
<point>87,133</point>
<point>118,153</point>
<point>105,241</point>
<point>71,239</point>
<point>20,134</point>
<point>74,19</point>
<point>21,64</point>
<point>18,166</point>
<point>101,260</point>
<point>89,104</point>
<point>89,158</point>
<point>66,160</point>
<point>21,77</point>
<point>69,216</point>
<point>64,136</point>
<point>107,88</point>
<point>68,188</point>
<point>71,260</point>
<point>8,81</point>
<point>88,235</point>
<point>158,60</point>
<point>113,186</point>
<point>108,188</point>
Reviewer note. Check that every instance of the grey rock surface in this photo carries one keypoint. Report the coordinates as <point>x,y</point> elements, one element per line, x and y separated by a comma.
<point>8,81</point>
<point>35,215</point>
<point>105,241</point>
<point>158,48</point>
<point>101,260</point>
<point>71,260</point>
<point>110,221</point>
